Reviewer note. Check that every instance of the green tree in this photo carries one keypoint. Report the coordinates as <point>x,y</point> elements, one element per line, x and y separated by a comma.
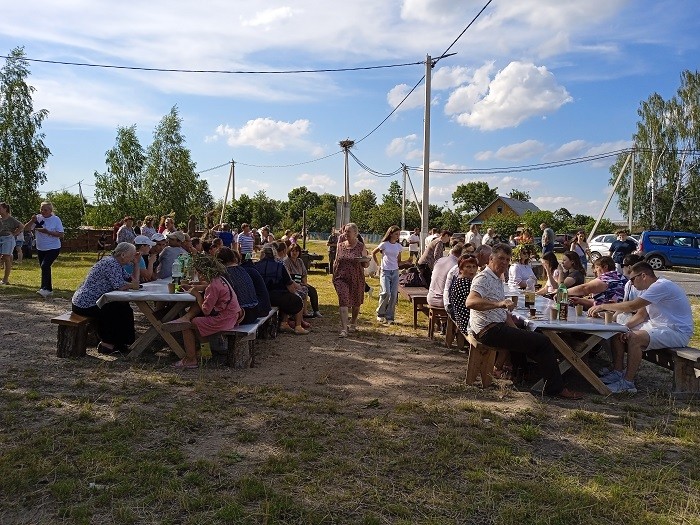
<point>300,199</point>
<point>504,225</point>
<point>120,189</point>
<point>473,196</point>
<point>667,160</point>
<point>266,211</point>
<point>321,218</point>
<point>69,207</point>
<point>519,195</point>
<point>23,153</point>
<point>394,194</point>
<point>533,219</point>
<point>361,205</point>
<point>171,183</point>
<point>238,211</point>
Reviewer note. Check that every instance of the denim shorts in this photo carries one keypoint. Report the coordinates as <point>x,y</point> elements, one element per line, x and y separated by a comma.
<point>7,244</point>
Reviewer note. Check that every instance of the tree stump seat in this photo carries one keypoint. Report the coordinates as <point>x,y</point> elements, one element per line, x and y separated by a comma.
<point>72,334</point>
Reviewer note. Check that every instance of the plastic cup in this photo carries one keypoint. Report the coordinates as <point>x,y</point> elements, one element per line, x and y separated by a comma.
<point>514,298</point>
<point>171,287</point>
<point>579,310</point>
<point>609,317</point>
<point>533,312</point>
<point>553,313</point>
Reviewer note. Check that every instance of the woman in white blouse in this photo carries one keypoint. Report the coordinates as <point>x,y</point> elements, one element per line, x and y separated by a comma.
<point>520,271</point>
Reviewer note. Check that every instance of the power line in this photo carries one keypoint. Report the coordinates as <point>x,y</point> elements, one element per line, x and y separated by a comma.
<point>371,171</point>
<point>288,165</point>
<point>217,71</point>
<point>462,33</point>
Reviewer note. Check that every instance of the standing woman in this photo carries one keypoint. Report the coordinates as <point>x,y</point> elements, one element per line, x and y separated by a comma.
<point>147,228</point>
<point>9,229</point>
<point>391,249</point>
<point>48,229</point>
<point>580,247</point>
<point>348,277</point>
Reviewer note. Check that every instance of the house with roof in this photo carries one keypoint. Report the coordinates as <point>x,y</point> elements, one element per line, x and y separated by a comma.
<point>503,205</point>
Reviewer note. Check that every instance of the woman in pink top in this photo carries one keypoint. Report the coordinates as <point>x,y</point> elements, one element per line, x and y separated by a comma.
<point>217,308</point>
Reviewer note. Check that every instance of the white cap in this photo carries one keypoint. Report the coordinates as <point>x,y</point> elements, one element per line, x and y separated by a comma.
<point>142,239</point>
<point>157,237</point>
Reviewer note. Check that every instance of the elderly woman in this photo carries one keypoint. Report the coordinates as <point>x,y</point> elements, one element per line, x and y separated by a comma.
<point>217,308</point>
<point>297,271</point>
<point>348,277</point>
<point>520,271</point>
<point>115,321</point>
<point>607,287</point>
<point>147,228</point>
<point>48,229</point>
<point>282,290</point>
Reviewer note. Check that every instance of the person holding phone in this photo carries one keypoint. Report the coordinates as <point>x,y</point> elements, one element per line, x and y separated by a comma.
<point>48,229</point>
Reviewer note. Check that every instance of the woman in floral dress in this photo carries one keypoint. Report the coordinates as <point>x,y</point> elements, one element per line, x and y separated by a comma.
<point>348,277</point>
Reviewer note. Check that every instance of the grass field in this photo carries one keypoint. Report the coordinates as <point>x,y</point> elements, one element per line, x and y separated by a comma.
<point>86,442</point>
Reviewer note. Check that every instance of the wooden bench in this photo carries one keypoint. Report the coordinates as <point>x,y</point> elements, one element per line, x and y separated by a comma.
<point>418,295</point>
<point>322,266</point>
<point>72,334</point>
<point>481,361</point>
<point>243,356</point>
<point>685,363</point>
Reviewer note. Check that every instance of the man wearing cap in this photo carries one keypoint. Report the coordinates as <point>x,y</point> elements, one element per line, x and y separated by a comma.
<point>170,253</point>
<point>159,243</point>
<point>143,248</point>
<point>126,231</point>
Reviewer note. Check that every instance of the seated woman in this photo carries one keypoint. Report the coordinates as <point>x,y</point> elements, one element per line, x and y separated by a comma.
<point>459,290</point>
<point>520,271</point>
<point>282,290</point>
<point>216,309</point>
<point>570,271</point>
<point>115,320</point>
<point>550,265</point>
<point>146,260</point>
<point>241,282</point>
<point>297,271</point>
<point>607,287</point>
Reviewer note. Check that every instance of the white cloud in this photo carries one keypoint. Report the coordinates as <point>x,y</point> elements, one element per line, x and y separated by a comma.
<point>518,92</point>
<point>553,200</point>
<point>570,150</point>
<point>317,183</point>
<point>399,92</point>
<point>268,135</point>
<point>582,148</point>
<point>363,180</point>
<point>464,98</point>
<point>400,145</point>
<point>449,77</point>
<point>519,151</point>
<point>268,17</point>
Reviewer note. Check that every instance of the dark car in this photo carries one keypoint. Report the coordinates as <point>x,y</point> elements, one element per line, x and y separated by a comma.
<point>665,249</point>
<point>562,242</point>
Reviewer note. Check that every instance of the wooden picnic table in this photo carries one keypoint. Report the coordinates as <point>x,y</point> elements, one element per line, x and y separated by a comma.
<point>418,295</point>
<point>145,300</point>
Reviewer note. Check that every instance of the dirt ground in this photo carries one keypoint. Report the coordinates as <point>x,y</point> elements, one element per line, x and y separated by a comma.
<point>374,363</point>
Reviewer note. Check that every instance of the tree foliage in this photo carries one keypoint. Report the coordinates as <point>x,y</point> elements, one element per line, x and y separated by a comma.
<point>504,224</point>
<point>68,206</point>
<point>473,197</point>
<point>519,195</point>
<point>171,182</point>
<point>300,199</point>
<point>23,153</point>
<point>667,160</point>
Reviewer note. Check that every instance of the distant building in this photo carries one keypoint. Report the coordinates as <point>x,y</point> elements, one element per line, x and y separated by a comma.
<point>503,205</point>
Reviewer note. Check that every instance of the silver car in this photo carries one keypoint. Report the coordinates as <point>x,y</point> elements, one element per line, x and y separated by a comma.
<point>600,245</point>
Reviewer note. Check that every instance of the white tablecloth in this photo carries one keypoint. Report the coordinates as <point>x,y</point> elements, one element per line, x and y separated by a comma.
<point>153,291</point>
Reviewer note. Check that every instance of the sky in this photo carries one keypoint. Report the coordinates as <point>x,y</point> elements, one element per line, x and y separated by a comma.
<point>532,81</point>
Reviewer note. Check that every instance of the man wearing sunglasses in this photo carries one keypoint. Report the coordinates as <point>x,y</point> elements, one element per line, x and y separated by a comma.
<point>663,319</point>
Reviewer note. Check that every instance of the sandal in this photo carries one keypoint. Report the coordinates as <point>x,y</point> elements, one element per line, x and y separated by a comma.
<point>343,333</point>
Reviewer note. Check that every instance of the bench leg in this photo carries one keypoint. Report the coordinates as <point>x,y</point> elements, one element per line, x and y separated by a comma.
<point>480,364</point>
<point>71,341</point>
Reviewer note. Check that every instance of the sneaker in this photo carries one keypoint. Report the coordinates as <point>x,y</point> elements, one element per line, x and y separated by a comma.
<point>44,293</point>
<point>381,320</point>
<point>390,321</point>
<point>317,314</point>
<point>3,282</point>
<point>622,387</point>
<point>613,377</point>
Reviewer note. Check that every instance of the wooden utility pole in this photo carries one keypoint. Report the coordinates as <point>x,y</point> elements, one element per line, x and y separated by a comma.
<point>346,145</point>
<point>403,197</point>
<point>426,153</point>
<point>233,192</point>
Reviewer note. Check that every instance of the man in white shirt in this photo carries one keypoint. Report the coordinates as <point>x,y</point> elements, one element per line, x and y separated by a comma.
<point>414,246</point>
<point>473,236</point>
<point>491,323</point>
<point>663,319</point>
<point>440,270</point>
<point>430,238</point>
<point>489,237</point>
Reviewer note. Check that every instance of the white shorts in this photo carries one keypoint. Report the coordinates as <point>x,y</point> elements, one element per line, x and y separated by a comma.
<point>663,337</point>
<point>7,244</point>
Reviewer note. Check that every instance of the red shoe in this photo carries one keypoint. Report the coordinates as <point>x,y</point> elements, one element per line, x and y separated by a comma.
<point>305,325</point>
<point>569,394</point>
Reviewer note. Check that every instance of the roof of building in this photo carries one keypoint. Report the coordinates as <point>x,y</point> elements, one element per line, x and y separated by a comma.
<point>518,207</point>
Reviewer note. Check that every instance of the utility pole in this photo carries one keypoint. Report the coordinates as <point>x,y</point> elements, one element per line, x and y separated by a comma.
<point>631,195</point>
<point>228,184</point>
<point>82,199</point>
<point>426,153</point>
<point>346,145</point>
<point>403,197</point>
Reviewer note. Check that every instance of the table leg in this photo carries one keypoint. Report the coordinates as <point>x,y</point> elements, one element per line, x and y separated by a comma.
<point>415,314</point>
<point>156,329</point>
<point>575,360</point>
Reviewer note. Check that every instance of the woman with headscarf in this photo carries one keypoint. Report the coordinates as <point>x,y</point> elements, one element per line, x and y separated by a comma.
<point>217,308</point>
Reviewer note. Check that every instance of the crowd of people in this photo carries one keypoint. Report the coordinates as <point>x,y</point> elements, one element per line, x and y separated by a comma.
<point>465,277</point>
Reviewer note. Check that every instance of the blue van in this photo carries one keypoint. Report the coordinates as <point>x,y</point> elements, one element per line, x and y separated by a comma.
<point>665,249</point>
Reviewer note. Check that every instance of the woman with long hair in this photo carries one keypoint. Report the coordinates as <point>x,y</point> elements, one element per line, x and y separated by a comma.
<point>391,249</point>
<point>580,246</point>
<point>550,265</point>
<point>570,271</point>
<point>216,310</point>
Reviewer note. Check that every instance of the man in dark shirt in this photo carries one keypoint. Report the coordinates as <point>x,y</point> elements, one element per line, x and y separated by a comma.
<point>624,245</point>
<point>332,248</point>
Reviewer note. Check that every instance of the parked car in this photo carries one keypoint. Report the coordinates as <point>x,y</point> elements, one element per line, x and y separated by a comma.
<point>600,245</point>
<point>562,242</point>
<point>457,237</point>
<point>403,237</point>
<point>665,249</point>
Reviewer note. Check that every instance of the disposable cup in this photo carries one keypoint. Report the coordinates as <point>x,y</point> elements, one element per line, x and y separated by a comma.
<point>579,310</point>
<point>533,312</point>
<point>553,313</point>
<point>514,298</point>
<point>171,287</point>
<point>609,317</point>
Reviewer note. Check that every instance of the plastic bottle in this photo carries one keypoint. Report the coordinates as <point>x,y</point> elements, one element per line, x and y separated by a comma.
<point>562,300</point>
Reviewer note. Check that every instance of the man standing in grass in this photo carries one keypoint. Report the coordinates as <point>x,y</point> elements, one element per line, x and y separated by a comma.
<point>663,319</point>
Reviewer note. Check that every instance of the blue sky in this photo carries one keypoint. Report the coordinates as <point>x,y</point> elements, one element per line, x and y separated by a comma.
<point>532,81</point>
